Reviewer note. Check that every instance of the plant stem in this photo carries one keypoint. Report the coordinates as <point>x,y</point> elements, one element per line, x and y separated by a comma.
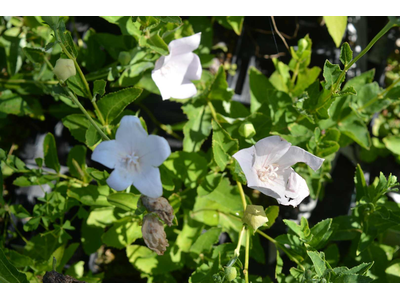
<point>354,60</point>
<point>16,81</point>
<point>247,256</point>
<point>83,78</point>
<point>281,247</point>
<point>242,196</point>
<point>212,109</point>
<point>16,229</point>
<point>76,101</point>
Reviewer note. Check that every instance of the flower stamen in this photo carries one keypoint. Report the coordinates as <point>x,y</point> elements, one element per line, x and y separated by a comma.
<point>268,173</point>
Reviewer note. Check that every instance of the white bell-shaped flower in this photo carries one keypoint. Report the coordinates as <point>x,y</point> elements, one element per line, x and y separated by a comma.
<point>135,157</point>
<point>173,74</point>
<point>267,167</point>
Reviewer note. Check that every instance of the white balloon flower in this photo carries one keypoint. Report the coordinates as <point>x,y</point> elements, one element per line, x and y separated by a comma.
<point>135,157</point>
<point>173,73</point>
<point>267,167</point>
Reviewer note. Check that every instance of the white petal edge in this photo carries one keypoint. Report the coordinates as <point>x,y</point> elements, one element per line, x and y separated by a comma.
<point>269,150</point>
<point>185,44</point>
<point>296,154</point>
<point>162,84</point>
<point>149,183</point>
<point>245,158</point>
<point>120,179</point>
<point>131,135</point>
<point>158,151</point>
<point>194,70</point>
<point>107,153</point>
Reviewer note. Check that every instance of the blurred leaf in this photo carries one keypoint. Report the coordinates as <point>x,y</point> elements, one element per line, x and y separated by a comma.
<point>50,153</point>
<point>205,241</point>
<point>125,201</point>
<point>236,23</point>
<point>8,273</point>
<point>336,27</point>
<point>123,233</point>
<point>392,142</point>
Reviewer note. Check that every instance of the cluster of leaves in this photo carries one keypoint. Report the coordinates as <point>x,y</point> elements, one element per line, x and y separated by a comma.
<point>199,180</point>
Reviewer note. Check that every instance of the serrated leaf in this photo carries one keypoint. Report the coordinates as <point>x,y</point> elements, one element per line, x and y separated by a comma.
<point>99,87</point>
<point>112,104</point>
<point>77,125</point>
<point>331,74</point>
<point>223,145</point>
<point>346,54</point>
<point>318,259</point>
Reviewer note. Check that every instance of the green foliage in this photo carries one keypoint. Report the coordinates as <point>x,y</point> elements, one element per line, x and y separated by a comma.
<point>314,108</point>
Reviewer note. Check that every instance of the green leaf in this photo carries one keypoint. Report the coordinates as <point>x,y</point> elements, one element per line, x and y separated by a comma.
<point>175,20</point>
<point>77,125</point>
<point>90,195</point>
<point>50,153</point>
<point>361,186</point>
<point>198,127</point>
<point>76,84</point>
<point>327,148</point>
<point>346,54</point>
<point>92,135</point>
<point>68,253</point>
<point>219,89</point>
<point>392,142</point>
<point>125,201</point>
<point>99,87</point>
<point>272,212</point>
<point>336,27</point>
<point>261,89</point>
<point>331,74</point>
<point>205,241</point>
<point>279,267</point>
<point>302,230</point>
<point>112,104</point>
<point>236,23</point>
<point>15,104</point>
<point>393,271</point>
<point>356,129</point>
<point>223,146</point>
<point>8,273</point>
<point>321,233</point>
<point>123,233</point>
<point>156,43</point>
<point>318,259</point>
<point>76,161</point>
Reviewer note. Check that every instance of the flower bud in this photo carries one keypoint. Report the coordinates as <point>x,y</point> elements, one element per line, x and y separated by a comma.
<point>160,206</point>
<point>247,130</point>
<point>124,58</point>
<point>154,235</point>
<point>254,216</point>
<point>64,69</point>
<point>230,273</point>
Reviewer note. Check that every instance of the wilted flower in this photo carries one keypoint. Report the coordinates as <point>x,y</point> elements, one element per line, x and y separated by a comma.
<point>135,156</point>
<point>64,68</point>
<point>254,216</point>
<point>161,207</point>
<point>154,235</point>
<point>173,73</point>
<point>267,167</point>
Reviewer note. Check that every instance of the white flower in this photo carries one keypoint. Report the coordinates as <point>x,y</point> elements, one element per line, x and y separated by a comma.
<point>135,157</point>
<point>267,167</point>
<point>173,73</point>
<point>64,68</point>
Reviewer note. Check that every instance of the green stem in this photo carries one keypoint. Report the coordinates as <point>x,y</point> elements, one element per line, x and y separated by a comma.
<point>76,101</point>
<point>212,109</point>
<point>281,247</point>
<point>83,78</point>
<point>48,63</point>
<point>247,256</point>
<point>354,60</point>
<point>16,229</point>
<point>17,81</point>
<point>242,196</point>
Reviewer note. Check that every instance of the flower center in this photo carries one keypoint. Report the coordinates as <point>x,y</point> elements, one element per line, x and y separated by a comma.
<point>131,161</point>
<point>268,173</point>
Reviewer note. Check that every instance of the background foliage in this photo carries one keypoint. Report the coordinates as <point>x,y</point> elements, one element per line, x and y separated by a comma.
<point>95,233</point>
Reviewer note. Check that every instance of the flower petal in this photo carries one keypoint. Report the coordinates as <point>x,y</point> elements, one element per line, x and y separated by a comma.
<point>269,150</point>
<point>148,182</point>
<point>186,90</point>
<point>120,179</point>
<point>289,188</point>
<point>107,153</point>
<point>131,135</point>
<point>158,150</point>
<point>194,69</point>
<point>245,158</point>
<point>185,44</point>
<point>162,83</point>
<point>296,154</point>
